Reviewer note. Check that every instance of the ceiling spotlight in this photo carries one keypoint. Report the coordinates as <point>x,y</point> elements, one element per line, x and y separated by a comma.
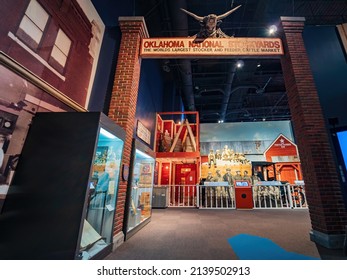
<point>272,29</point>
<point>240,63</point>
<point>258,64</point>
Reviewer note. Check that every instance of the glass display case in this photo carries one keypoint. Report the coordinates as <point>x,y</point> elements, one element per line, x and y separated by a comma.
<point>62,201</point>
<point>101,203</point>
<point>139,197</point>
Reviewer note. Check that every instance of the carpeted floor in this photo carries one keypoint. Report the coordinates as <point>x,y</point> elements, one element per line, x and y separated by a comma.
<point>192,234</point>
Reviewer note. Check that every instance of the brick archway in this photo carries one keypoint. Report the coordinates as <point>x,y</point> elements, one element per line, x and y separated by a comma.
<point>327,211</point>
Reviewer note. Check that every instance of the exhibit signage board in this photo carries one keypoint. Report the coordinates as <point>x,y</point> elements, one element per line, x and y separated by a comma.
<point>192,47</point>
<point>143,133</point>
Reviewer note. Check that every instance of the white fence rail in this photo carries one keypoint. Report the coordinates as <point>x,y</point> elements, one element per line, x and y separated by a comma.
<point>182,196</point>
<point>216,197</point>
<point>266,195</point>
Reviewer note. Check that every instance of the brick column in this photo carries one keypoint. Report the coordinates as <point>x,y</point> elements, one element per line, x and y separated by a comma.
<point>323,190</point>
<point>124,95</point>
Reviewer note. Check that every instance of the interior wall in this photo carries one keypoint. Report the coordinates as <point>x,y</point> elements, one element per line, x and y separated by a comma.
<point>150,96</point>
<point>329,69</point>
<point>103,82</point>
<point>172,101</point>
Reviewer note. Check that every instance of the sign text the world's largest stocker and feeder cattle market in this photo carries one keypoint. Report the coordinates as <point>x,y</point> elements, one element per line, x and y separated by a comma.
<point>211,47</point>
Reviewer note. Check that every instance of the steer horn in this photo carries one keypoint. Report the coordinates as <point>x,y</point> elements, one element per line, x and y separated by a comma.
<point>193,15</point>
<point>227,13</point>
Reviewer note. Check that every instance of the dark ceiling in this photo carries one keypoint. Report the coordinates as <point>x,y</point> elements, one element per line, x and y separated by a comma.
<point>214,87</point>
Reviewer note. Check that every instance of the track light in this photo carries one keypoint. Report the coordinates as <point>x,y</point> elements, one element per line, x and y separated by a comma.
<point>240,63</point>
<point>272,29</point>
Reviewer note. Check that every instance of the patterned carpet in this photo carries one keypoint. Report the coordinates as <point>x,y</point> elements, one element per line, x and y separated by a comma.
<point>193,234</point>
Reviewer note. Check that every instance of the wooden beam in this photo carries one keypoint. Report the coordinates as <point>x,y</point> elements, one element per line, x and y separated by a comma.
<point>176,139</point>
<point>192,138</point>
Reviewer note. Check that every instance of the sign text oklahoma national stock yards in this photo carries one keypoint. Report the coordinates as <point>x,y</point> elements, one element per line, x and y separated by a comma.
<point>187,47</point>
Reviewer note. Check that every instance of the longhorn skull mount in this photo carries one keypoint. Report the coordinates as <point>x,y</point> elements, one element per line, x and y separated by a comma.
<point>209,24</point>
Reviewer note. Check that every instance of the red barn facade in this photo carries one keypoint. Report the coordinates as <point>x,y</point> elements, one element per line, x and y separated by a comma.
<point>284,153</point>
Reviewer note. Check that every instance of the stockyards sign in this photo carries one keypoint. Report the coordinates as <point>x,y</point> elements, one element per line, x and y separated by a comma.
<point>210,47</point>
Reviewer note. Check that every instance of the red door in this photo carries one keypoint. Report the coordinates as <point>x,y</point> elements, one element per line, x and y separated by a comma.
<point>185,180</point>
<point>165,173</point>
<point>288,174</point>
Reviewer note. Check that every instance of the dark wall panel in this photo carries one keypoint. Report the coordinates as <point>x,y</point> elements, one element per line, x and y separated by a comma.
<point>104,77</point>
<point>329,69</point>
<point>150,96</point>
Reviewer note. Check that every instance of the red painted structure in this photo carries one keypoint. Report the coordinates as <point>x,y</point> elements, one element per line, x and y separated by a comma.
<point>284,153</point>
<point>176,167</point>
<point>243,195</point>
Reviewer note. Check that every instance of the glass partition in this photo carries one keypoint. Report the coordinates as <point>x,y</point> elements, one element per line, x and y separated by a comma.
<point>103,188</point>
<point>140,206</point>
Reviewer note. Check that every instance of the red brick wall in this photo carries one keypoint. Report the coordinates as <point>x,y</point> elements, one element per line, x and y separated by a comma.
<point>124,95</point>
<point>327,211</point>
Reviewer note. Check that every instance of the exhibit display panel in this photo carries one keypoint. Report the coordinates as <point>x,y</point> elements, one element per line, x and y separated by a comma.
<point>22,95</point>
<point>139,199</point>
<point>61,204</point>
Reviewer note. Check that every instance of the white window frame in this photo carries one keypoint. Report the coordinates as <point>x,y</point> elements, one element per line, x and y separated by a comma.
<point>61,48</point>
<point>34,22</point>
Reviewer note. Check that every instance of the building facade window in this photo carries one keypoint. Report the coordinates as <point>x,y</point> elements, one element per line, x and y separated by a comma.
<point>60,51</point>
<point>33,24</point>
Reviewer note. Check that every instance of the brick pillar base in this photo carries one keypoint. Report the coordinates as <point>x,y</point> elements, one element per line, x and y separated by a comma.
<point>124,96</point>
<point>323,190</point>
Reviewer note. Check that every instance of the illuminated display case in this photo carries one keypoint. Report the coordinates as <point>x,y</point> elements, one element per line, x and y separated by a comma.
<point>139,195</point>
<point>62,201</point>
<point>339,138</point>
<point>101,202</point>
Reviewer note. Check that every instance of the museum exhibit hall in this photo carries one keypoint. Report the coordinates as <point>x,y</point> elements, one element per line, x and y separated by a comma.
<point>173,130</point>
